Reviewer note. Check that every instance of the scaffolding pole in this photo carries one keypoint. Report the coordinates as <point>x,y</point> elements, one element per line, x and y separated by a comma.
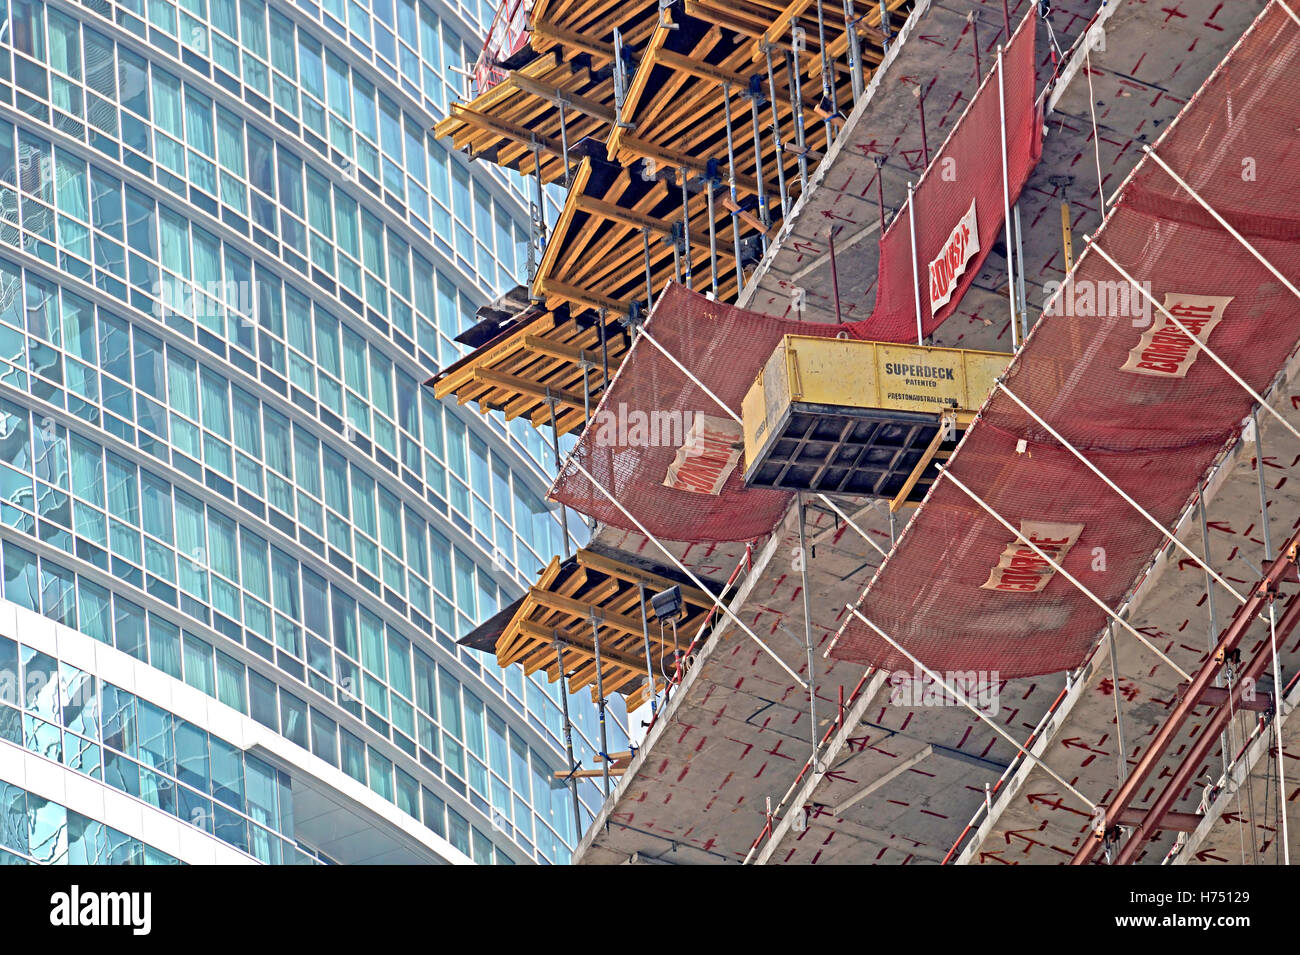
<point>649,658</point>
<point>916,274</point>
<point>1006,196</point>
<point>600,694</point>
<point>807,631</point>
<point>1278,695</point>
<point>777,147</point>
<point>555,445</point>
<point>731,181</point>
<point>568,739</point>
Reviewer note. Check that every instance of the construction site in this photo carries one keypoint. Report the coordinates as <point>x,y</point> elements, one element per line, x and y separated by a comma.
<point>925,374</point>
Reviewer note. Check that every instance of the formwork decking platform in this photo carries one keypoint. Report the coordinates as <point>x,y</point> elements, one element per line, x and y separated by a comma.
<point>554,620</point>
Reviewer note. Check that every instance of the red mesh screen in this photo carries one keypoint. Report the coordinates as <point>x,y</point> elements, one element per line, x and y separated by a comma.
<point>1153,435</point>
<point>725,347</point>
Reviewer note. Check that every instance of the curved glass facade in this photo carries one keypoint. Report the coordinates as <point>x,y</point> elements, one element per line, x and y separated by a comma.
<point>230,251</point>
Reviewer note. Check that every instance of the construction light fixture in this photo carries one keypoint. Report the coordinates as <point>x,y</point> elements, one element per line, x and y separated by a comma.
<point>667,605</point>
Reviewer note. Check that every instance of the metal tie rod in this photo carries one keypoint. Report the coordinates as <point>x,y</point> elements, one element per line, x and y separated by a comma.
<point>1202,345</point>
<point>961,698</point>
<point>1066,574</point>
<point>1118,490</point>
<point>687,571</point>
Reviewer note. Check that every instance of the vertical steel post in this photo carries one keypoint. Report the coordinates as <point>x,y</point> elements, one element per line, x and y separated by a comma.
<point>776,135</point>
<point>713,235</point>
<point>855,50</point>
<point>604,350</point>
<point>1272,624</point>
<point>568,740</point>
<point>564,143</point>
<point>1020,274</point>
<point>916,270</point>
<point>686,228</point>
<point>807,632</point>
<point>835,276</point>
<point>796,104</point>
<point>555,444</point>
<point>880,190</point>
<point>973,19</point>
<point>828,87</point>
<point>600,694</point>
<point>649,275</point>
<point>731,179</point>
<point>764,213</point>
<point>1006,203</point>
<point>920,105</point>
<point>649,659</point>
<point>1119,716</point>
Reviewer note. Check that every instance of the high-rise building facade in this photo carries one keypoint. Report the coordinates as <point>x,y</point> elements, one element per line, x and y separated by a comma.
<point>239,539</point>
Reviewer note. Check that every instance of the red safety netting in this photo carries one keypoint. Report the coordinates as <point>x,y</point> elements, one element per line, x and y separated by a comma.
<point>1154,428</point>
<point>634,435</point>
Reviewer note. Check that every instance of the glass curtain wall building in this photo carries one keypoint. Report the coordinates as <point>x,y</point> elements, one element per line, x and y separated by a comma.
<point>230,252</point>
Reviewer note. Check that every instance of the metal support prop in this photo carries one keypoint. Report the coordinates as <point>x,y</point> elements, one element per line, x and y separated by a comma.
<point>537,227</point>
<point>686,228</point>
<point>1020,274</point>
<point>777,146</point>
<point>807,631</point>
<point>855,50</point>
<point>731,178</point>
<point>604,349</point>
<point>919,92</point>
<point>835,276</point>
<point>885,33</point>
<point>796,106</point>
<point>1213,614</point>
<point>880,190</point>
<point>1006,196</point>
<point>568,739</point>
<point>1119,716</point>
<point>586,391</point>
<point>649,275</point>
<point>649,658</point>
<point>828,88</point>
<point>973,19</point>
<point>916,273</point>
<point>564,142</point>
<point>555,444</point>
<point>713,236</point>
<point>764,213</point>
<point>677,253</point>
<point>1278,695</point>
<point>1006,19</point>
<point>600,694</point>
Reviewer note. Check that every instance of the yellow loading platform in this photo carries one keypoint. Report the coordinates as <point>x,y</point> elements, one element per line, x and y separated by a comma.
<point>843,416</point>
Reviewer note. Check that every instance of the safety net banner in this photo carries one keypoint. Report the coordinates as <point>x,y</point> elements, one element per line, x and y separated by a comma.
<point>1120,383</point>
<point>659,444</point>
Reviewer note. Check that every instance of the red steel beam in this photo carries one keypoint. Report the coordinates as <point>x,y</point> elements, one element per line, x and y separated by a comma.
<point>1209,737</point>
<point>1192,696</point>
